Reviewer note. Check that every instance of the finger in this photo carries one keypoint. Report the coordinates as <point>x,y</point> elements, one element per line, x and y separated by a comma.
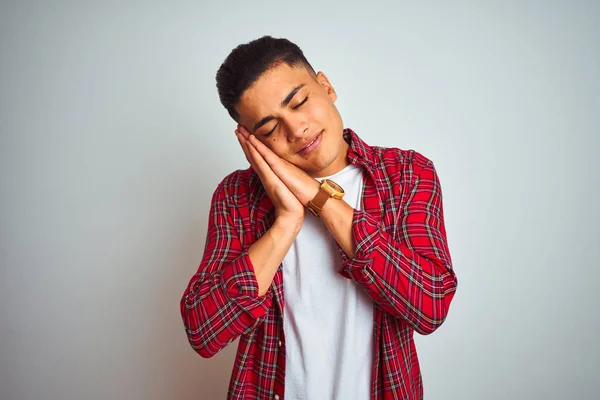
<point>280,167</point>
<point>245,133</point>
<point>241,141</point>
<point>270,157</point>
<point>262,167</point>
<point>257,159</point>
<point>251,156</point>
<point>244,146</point>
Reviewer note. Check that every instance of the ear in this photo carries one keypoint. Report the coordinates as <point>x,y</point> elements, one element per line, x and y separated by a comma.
<point>323,81</point>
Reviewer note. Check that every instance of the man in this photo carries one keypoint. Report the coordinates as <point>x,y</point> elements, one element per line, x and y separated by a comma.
<point>324,302</point>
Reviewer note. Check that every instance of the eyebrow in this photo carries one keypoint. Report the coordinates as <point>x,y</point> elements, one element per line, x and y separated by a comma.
<point>283,103</point>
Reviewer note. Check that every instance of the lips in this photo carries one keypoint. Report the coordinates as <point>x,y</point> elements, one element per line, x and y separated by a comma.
<point>311,145</point>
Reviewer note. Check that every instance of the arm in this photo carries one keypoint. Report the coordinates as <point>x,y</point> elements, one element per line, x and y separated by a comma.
<point>229,294</point>
<point>408,274</point>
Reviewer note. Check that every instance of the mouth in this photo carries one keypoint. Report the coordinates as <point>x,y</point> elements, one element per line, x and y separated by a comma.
<point>311,145</point>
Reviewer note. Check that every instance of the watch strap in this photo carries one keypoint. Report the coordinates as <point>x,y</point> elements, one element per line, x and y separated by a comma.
<point>316,205</point>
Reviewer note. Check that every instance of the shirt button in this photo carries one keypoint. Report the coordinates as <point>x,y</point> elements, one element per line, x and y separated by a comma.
<point>279,343</point>
<point>276,397</point>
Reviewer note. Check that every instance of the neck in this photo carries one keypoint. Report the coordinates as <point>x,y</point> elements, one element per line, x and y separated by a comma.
<point>340,162</point>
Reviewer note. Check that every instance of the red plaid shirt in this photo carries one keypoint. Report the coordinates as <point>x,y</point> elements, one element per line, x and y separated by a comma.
<point>402,261</point>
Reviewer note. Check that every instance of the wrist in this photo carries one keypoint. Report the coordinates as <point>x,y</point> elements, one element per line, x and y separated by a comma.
<point>315,186</point>
<point>327,190</point>
<point>288,223</point>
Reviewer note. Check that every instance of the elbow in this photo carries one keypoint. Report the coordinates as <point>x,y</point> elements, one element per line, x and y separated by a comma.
<point>437,315</point>
<point>428,327</point>
<point>208,348</point>
<point>205,351</point>
<point>201,338</point>
<point>439,308</point>
<point>195,334</point>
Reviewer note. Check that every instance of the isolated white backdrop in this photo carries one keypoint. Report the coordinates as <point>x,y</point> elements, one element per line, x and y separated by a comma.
<point>113,139</point>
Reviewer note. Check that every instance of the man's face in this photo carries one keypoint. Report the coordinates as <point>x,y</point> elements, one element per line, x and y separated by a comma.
<point>293,113</point>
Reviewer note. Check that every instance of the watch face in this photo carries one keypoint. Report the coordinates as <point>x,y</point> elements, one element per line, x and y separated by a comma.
<point>334,185</point>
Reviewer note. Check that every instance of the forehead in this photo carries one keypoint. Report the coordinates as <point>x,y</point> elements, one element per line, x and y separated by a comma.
<point>265,95</point>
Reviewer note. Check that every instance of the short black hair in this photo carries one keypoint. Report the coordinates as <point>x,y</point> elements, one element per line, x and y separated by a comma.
<point>247,62</point>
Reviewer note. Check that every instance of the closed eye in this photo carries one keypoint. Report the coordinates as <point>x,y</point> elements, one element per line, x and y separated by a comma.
<point>266,135</point>
<point>272,130</point>
<point>303,101</point>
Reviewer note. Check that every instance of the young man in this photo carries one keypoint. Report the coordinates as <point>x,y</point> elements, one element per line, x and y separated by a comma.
<point>325,302</point>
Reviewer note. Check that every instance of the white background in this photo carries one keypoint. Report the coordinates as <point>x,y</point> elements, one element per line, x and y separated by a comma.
<point>113,140</point>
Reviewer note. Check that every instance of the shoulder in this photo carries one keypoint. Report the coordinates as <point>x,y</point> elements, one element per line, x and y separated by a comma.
<point>403,161</point>
<point>234,186</point>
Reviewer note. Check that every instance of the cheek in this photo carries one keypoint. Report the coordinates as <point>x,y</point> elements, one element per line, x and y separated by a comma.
<point>321,111</point>
<point>277,146</point>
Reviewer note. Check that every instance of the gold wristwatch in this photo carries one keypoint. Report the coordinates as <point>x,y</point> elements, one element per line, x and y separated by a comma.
<point>328,190</point>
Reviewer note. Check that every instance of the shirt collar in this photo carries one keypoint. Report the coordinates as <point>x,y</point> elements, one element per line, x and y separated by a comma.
<point>359,153</point>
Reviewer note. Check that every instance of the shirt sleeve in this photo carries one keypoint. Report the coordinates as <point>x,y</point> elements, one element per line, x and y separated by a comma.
<point>407,270</point>
<point>221,301</point>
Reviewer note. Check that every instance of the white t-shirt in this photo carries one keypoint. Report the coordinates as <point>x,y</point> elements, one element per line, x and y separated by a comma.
<point>327,319</point>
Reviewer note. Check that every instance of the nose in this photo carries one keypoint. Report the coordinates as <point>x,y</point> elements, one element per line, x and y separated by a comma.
<point>297,129</point>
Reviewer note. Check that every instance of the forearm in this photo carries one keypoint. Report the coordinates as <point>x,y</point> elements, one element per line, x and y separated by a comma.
<point>267,253</point>
<point>218,307</point>
<point>337,216</point>
<point>414,282</point>
<point>384,264</point>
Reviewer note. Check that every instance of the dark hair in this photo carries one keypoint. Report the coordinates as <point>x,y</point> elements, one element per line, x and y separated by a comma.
<point>247,62</point>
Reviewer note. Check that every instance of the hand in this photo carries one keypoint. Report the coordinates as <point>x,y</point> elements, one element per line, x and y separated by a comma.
<point>296,180</point>
<point>287,206</point>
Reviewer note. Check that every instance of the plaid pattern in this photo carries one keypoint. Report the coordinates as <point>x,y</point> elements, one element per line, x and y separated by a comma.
<point>402,261</point>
